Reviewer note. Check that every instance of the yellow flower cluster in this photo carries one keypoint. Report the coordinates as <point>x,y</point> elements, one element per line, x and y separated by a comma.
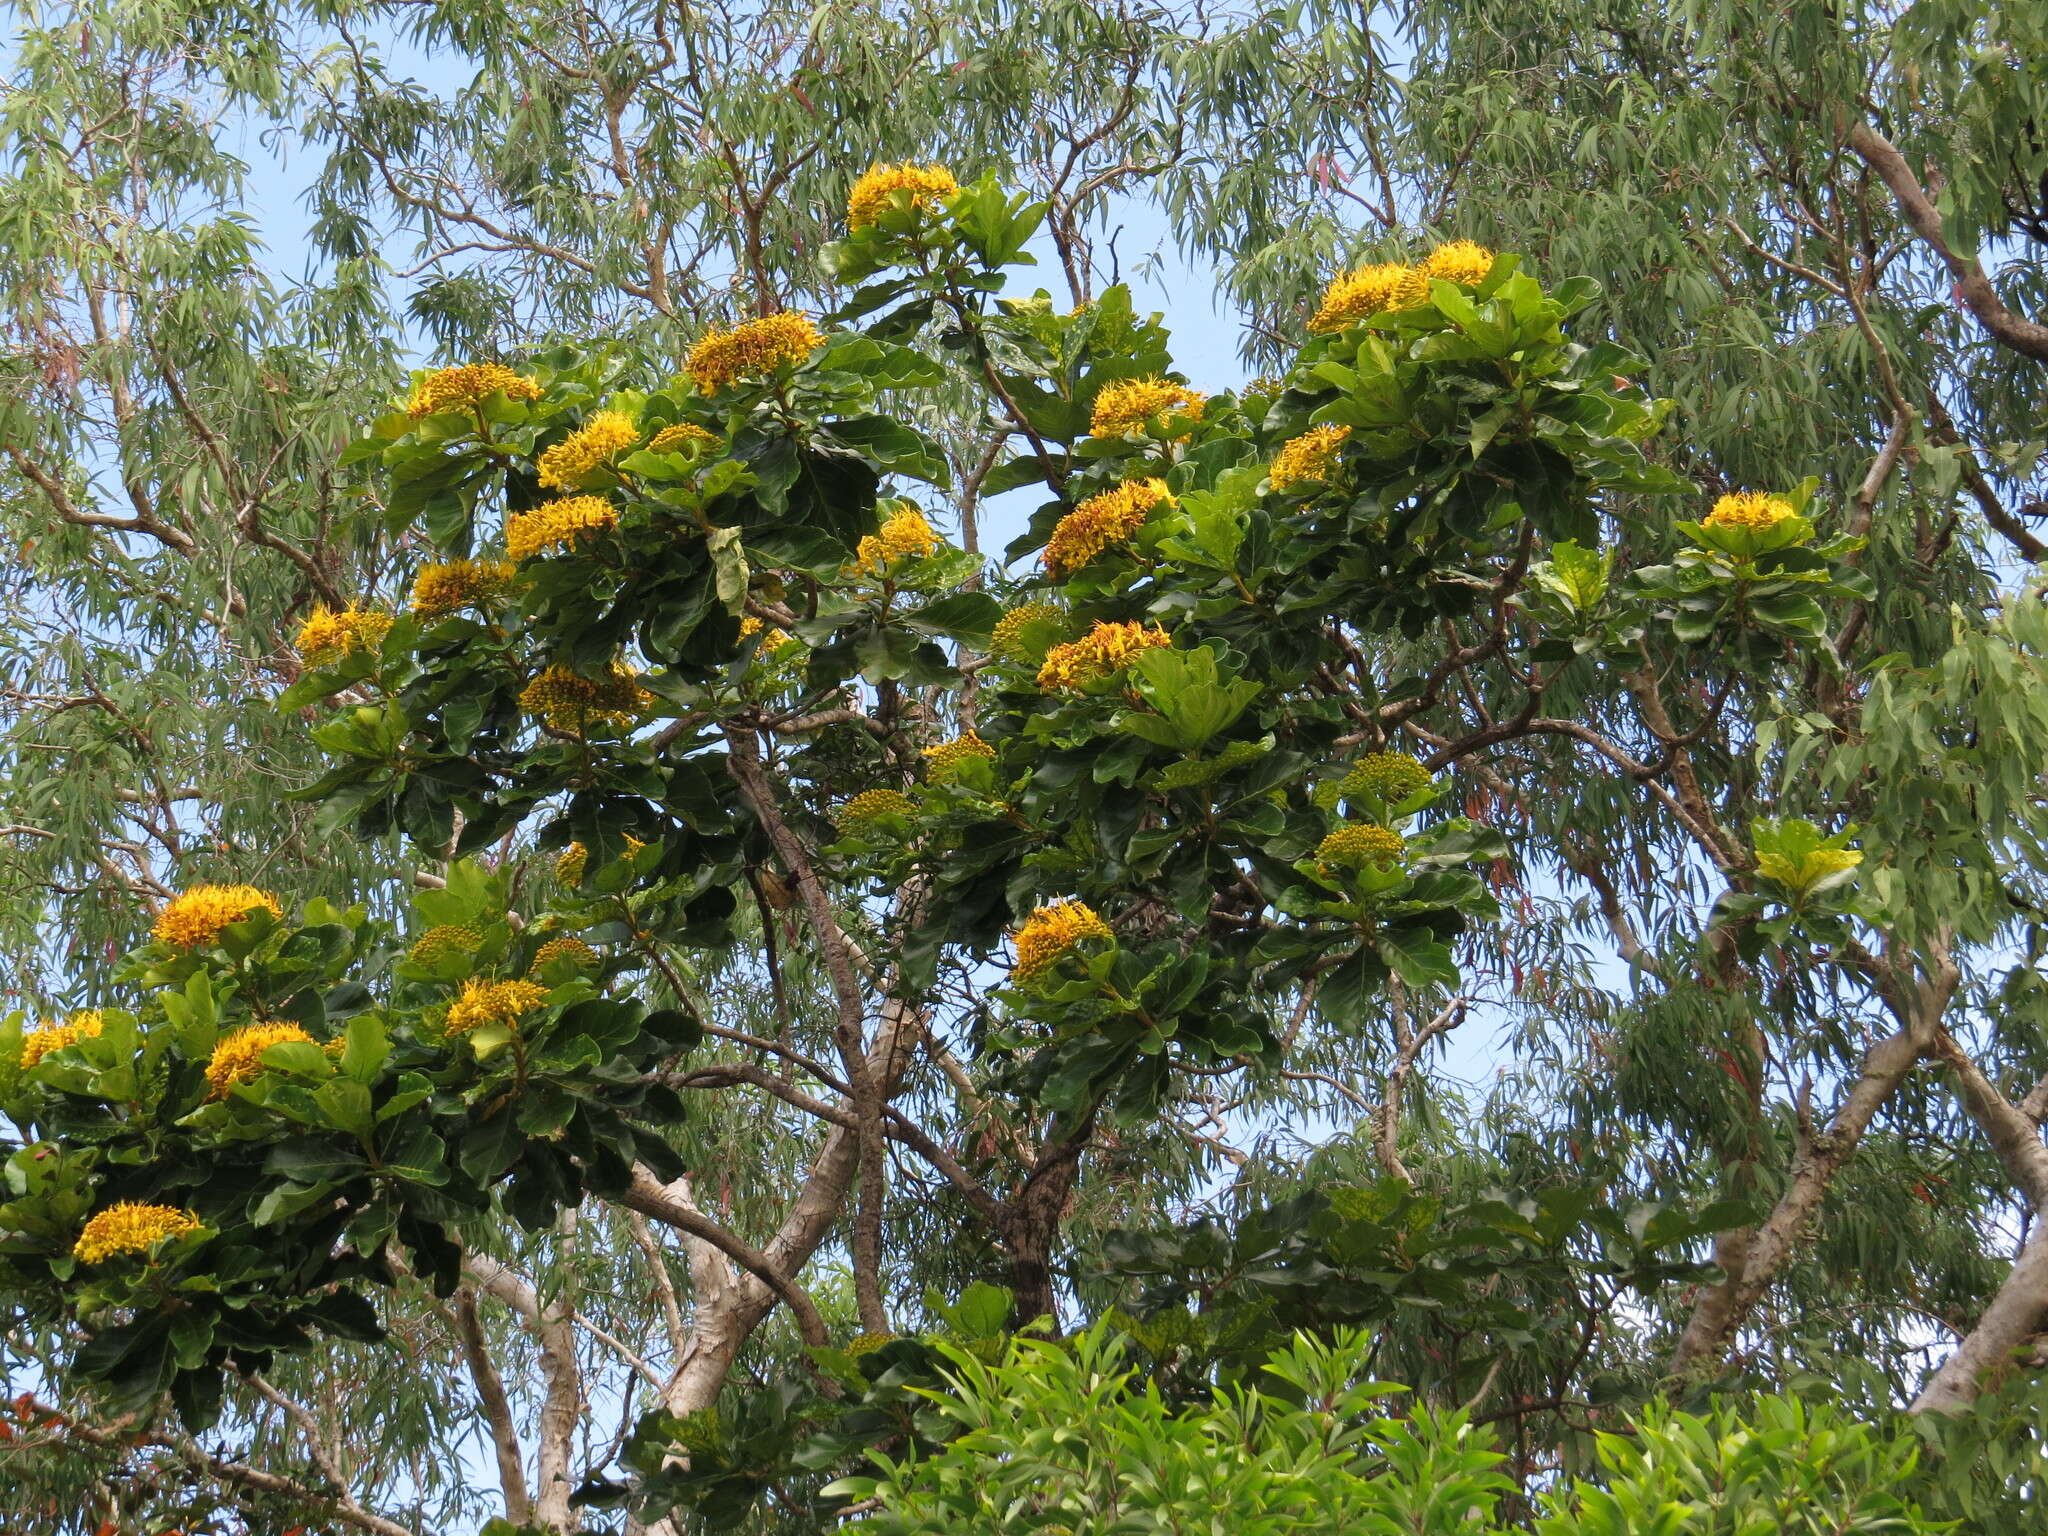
<point>448,389</point>
<point>565,948</point>
<point>875,193</point>
<point>1106,649</point>
<point>554,524</point>
<point>130,1227</point>
<point>750,348</point>
<point>1008,638</point>
<point>1465,262</point>
<point>1311,456</point>
<point>771,639</point>
<point>684,434</point>
<point>1367,291</point>
<point>1133,405</point>
<point>604,436</point>
<point>904,535</point>
<point>447,939</point>
<point>870,803</point>
<point>1052,931</point>
<point>444,588</point>
<point>1384,285</point>
<point>238,1057</point>
<point>1355,846</point>
<point>326,636</point>
<point>196,917</point>
<point>1390,776</point>
<point>1110,517</point>
<point>1753,511</point>
<point>948,757</point>
<point>569,864</point>
<point>38,1043</point>
<point>574,704</point>
<point>493,1002</point>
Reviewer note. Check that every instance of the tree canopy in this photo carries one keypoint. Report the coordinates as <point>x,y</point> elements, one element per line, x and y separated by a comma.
<point>590,957</point>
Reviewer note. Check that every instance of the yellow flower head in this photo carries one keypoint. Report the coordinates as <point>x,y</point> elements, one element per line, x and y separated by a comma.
<point>751,348</point>
<point>1753,511</point>
<point>326,637</point>
<point>195,918</point>
<point>1008,639</point>
<point>1053,931</point>
<point>38,1043</point>
<point>555,524</point>
<point>130,1227</point>
<point>444,588</point>
<point>446,939</point>
<point>449,389</point>
<point>1105,650</point>
<point>949,757</point>
<point>238,1057</point>
<point>1135,405</point>
<point>904,535</point>
<point>570,863</point>
<point>1102,520</point>
<point>1311,456</point>
<point>604,436</point>
<point>565,948</point>
<point>1460,261</point>
<point>1361,294</point>
<point>493,1002</point>
<point>1389,776</point>
<point>684,434</point>
<point>772,639</point>
<point>573,704</point>
<point>1356,846</point>
<point>870,803</point>
<point>875,193</point>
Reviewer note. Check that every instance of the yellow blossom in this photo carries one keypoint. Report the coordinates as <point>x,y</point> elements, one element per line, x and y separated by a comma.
<point>904,535</point>
<point>751,348</point>
<point>443,588</point>
<point>1135,405</point>
<point>604,436</point>
<point>196,918</point>
<point>1388,776</point>
<point>326,636</point>
<point>772,639</point>
<point>1753,511</point>
<point>1053,931</point>
<point>38,1043</point>
<point>1361,294</point>
<point>1465,262</point>
<point>448,389</point>
<point>1311,456</point>
<point>1110,517</point>
<point>875,193</point>
<point>565,948</point>
<point>493,1002</point>
<point>1008,638</point>
<point>949,757</point>
<point>573,704</point>
<point>130,1227</point>
<point>447,939</point>
<point>684,434</point>
<point>870,803</point>
<point>1355,846</point>
<point>1106,649</point>
<point>554,524</point>
<point>569,864</point>
<point>238,1057</point>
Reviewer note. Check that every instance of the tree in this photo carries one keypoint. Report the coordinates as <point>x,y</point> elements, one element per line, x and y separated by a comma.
<point>1718,750</point>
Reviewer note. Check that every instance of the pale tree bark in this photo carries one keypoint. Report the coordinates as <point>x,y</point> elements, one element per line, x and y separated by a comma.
<point>2019,1310</point>
<point>553,1327</point>
<point>1917,1002</point>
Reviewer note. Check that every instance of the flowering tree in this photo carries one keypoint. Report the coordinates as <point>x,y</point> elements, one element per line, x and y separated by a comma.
<point>1785,782</point>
